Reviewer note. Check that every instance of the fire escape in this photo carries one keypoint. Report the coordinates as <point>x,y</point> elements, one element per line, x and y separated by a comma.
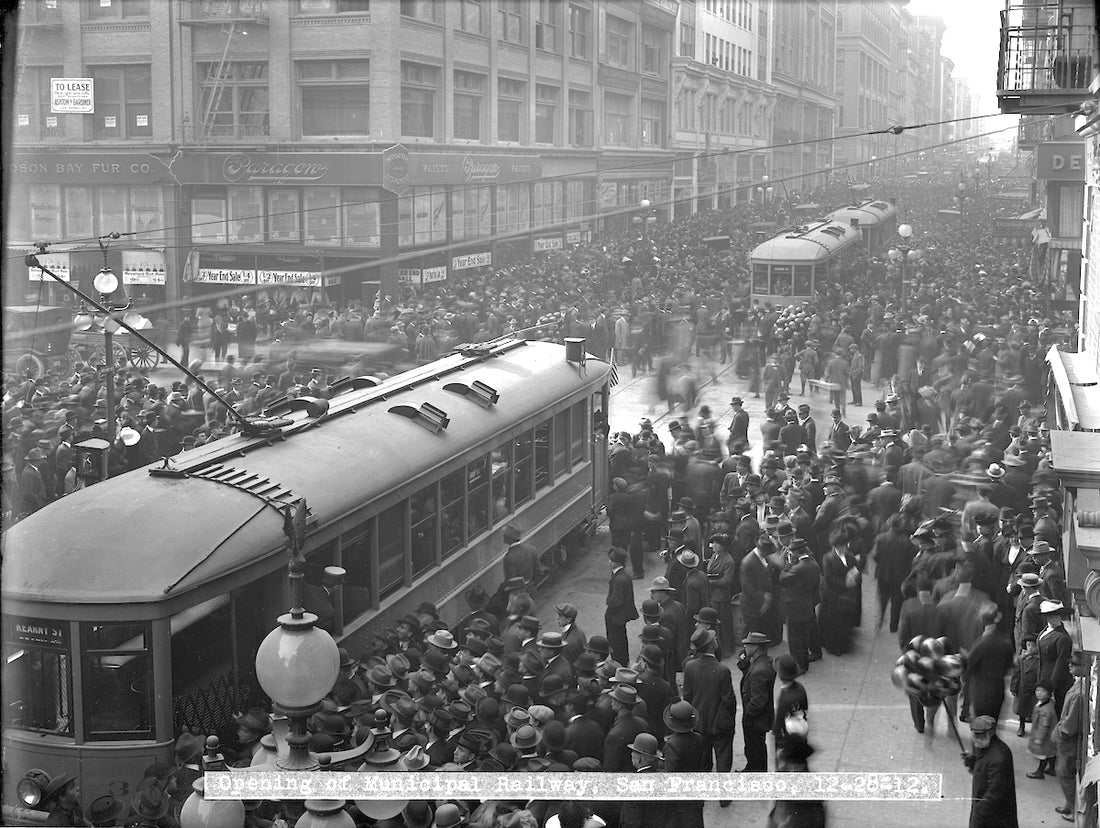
<point>222,112</point>
<point>1048,56</point>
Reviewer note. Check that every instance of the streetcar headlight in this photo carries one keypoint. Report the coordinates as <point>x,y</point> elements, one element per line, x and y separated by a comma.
<point>32,786</point>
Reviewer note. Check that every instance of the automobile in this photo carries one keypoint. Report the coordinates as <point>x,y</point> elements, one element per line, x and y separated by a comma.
<point>343,358</point>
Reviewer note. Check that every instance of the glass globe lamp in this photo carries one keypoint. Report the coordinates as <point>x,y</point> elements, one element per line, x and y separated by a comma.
<point>297,664</point>
<point>905,230</point>
<point>199,812</point>
<point>325,813</point>
<point>106,282</point>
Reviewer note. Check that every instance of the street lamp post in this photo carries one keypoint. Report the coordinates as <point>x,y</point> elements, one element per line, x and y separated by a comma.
<point>902,254</point>
<point>962,200</point>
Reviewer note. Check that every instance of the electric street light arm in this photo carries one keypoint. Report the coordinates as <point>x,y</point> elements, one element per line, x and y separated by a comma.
<point>32,261</point>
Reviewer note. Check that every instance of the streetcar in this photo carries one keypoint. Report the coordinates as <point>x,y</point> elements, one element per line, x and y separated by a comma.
<point>133,609</point>
<point>877,221</point>
<point>786,268</point>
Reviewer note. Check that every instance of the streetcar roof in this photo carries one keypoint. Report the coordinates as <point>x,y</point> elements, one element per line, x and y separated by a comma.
<point>868,214</point>
<point>807,245</point>
<point>138,538</point>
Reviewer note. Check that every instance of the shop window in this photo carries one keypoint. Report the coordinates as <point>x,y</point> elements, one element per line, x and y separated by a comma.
<point>501,464</point>
<point>477,500</point>
<point>361,219</point>
<point>208,215</point>
<point>543,475</point>
<point>355,557</point>
<point>116,9</point>
<point>321,215</point>
<point>283,215</point>
<point>79,212</point>
<point>524,461</point>
<point>423,514</point>
<point>576,200</point>
<point>118,682</point>
<point>335,97</point>
<point>246,211</point>
<point>471,212</point>
<point>419,98</point>
<point>113,209</point>
<point>561,442</point>
<point>234,100</point>
<point>38,683</point>
<point>452,516</point>
<point>470,114</point>
<point>547,100</point>
<point>46,212</point>
<point>513,207</point>
<point>391,549</point>
<point>511,110</point>
<point>123,102</point>
<point>578,430</point>
<point>146,213</point>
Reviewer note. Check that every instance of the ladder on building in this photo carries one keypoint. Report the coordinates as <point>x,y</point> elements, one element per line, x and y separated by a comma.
<point>214,87</point>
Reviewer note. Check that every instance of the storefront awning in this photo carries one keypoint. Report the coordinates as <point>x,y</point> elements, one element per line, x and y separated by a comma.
<point>1076,384</point>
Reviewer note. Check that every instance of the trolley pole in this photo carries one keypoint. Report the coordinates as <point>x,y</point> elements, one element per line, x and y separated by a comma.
<point>108,339</point>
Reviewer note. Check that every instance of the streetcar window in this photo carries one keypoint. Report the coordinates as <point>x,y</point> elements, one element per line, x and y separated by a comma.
<point>803,280</point>
<point>391,549</point>
<point>452,517</point>
<point>424,508</point>
<point>577,425</point>
<point>524,448</point>
<point>355,558</point>
<point>502,487</point>
<point>118,682</point>
<point>561,442</point>
<point>542,455</point>
<point>203,692</point>
<point>760,279</point>
<point>38,687</point>
<point>477,504</point>
<point>781,280</point>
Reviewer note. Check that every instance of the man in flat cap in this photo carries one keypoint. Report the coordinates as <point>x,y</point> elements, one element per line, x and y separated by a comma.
<point>993,786</point>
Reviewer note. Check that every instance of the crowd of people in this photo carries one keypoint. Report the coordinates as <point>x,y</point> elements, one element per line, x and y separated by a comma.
<point>946,491</point>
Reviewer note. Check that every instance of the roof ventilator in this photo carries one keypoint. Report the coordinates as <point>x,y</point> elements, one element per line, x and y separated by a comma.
<point>432,418</point>
<point>477,392</point>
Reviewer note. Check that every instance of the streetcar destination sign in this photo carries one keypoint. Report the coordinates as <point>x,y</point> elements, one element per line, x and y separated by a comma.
<point>69,95</point>
<point>39,631</point>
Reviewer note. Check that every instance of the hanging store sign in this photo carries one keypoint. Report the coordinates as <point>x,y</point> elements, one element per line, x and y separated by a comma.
<point>39,632</point>
<point>143,267</point>
<point>395,169</point>
<point>225,268</point>
<point>552,243</point>
<point>425,168</point>
<point>72,95</point>
<point>572,236</point>
<point>409,275</point>
<point>1060,161</point>
<point>434,274</point>
<point>299,271</point>
<point>471,260</point>
<point>276,168</point>
<point>57,262</point>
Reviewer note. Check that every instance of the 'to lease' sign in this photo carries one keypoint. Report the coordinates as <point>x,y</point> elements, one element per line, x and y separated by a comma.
<point>69,95</point>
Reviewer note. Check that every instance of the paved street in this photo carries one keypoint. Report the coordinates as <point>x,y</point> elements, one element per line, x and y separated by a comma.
<point>858,720</point>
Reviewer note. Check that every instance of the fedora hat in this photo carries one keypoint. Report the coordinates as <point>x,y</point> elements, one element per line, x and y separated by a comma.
<point>472,695</point>
<point>515,584</point>
<point>430,702</point>
<point>701,639</point>
<point>346,660</point>
<point>680,717</point>
<point>188,748</point>
<point>1040,547</point>
<point>707,615</point>
<point>512,533</point>
<point>624,693</point>
<point>443,640</point>
<point>416,759</point>
<point>150,803</point>
<point>688,559</point>
<point>660,583</point>
<point>411,620</point>
<point>678,516</point>
<point>645,744</point>
<point>479,627</point>
<point>551,640</point>
<point>399,664</point>
<point>616,555</point>
<point>460,711</point>
<point>624,675</point>
<point>517,717</point>
<point>434,661</point>
<point>489,664</point>
<point>995,471</point>
<point>526,737</point>
<point>380,676</point>
<point>1029,579</point>
<point>566,610</point>
<point>756,638</point>
<point>104,809</point>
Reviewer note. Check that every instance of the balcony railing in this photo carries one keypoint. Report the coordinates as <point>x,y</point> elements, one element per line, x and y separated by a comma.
<point>216,12</point>
<point>1034,130</point>
<point>1048,51</point>
<point>36,133</point>
<point>227,133</point>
